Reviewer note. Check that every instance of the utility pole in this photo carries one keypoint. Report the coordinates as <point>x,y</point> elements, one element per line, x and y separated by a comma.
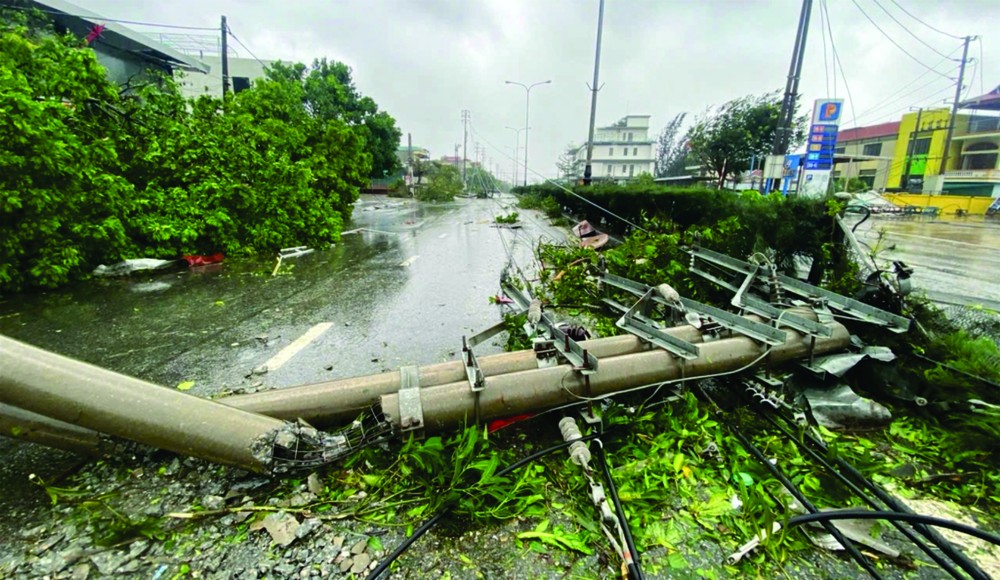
<point>409,150</point>
<point>913,146</point>
<point>785,118</point>
<point>527,105</point>
<point>954,105</point>
<point>465,141</point>
<point>587,170</point>
<point>225,58</point>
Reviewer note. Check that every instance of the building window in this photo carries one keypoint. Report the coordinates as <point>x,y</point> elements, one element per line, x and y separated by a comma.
<point>607,170</point>
<point>629,137</point>
<point>625,151</point>
<point>631,170</point>
<point>611,151</point>
<point>921,147</point>
<point>868,176</point>
<point>840,150</point>
<point>635,151</point>
<point>624,169</point>
<point>872,149</point>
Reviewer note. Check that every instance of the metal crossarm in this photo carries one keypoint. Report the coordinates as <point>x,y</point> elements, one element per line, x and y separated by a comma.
<point>582,360</point>
<point>632,324</point>
<point>854,308</point>
<point>755,330</point>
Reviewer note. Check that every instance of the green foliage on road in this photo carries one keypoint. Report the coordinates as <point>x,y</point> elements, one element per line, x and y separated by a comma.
<point>93,173</point>
<point>444,183</point>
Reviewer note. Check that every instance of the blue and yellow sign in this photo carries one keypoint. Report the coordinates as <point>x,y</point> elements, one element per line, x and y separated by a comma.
<point>828,111</point>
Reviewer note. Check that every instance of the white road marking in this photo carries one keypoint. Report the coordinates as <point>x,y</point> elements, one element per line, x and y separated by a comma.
<point>409,261</point>
<point>297,345</point>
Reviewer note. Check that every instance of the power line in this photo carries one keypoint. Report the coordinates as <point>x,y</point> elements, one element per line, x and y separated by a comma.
<point>559,185</point>
<point>250,52</point>
<point>829,29</point>
<point>95,18</point>
<point>982,90</point>
<point>894,43</point>
<point>908,31</point>
<point>826,66</point>
<point>901,96</point>
<point>939,31</point>
<point>840,65</point>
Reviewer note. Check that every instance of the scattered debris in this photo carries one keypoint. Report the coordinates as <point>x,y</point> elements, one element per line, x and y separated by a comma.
<point>589,237</point>
<point>196,260</point>
<point>128,267</point>
<point>840,407</point>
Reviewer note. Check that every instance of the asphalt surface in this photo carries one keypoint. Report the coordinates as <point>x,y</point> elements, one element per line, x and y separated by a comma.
<point>402,288</point>
<point>955,261</point>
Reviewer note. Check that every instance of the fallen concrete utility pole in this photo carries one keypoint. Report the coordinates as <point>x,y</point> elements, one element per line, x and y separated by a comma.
<point>87,396</point>
<point>447,406</point>
<point>334,402</point>
<point>27,426</point>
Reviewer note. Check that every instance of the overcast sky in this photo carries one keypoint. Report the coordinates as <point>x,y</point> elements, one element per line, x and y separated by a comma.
<point>425,61</point>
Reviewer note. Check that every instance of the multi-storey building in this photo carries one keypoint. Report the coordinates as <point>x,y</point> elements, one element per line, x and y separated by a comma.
<point>622,151</point>
<point>866,153</point>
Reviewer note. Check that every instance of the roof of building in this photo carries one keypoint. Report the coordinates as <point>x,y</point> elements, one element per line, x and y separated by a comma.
<point>990,101</point>
<point>869,132</point>
<point>82,22</point>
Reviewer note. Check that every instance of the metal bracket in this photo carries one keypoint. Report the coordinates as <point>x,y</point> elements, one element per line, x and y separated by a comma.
<point>855,308</point>
<point>477,339</point>
<point>411,412</point>
<point>477,380</point>
<point>630,323</point>
<point>583,361</point>
<point>755,330</point>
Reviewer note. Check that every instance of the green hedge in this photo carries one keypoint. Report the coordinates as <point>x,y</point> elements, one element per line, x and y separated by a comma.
<point>784,226</point>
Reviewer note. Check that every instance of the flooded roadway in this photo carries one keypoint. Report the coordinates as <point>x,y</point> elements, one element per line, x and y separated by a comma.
<point>402,289</point>
<point>955,261</point>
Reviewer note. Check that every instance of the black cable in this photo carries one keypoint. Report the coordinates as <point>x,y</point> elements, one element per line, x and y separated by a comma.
<point>849,546</point>
<point>868,214</point>
<point>250,52</point>
<point>946,565</point>
<point>98,18</point>
<point>898,516</point>
<point>430,523</point>
<point>931,534</point>
<point>907,30</point>
<point>896,44</point>
<point>907,12</point>
<point>635,568</point>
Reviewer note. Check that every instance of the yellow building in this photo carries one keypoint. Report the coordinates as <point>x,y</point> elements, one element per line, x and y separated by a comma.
<point>918,149</point>
<point>971,167</point>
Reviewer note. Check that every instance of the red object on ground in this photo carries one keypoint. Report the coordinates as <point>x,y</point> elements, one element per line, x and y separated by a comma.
<point>501,299</point>
<point>204,260</point>
<point>499,424</point>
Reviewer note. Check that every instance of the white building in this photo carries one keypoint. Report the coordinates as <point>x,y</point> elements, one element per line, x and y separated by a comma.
<point>242,73</point>
<point>622,151</point>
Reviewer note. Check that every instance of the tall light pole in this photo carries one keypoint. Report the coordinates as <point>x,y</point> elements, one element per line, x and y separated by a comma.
<point>527,103</point>
<point>517,150</point>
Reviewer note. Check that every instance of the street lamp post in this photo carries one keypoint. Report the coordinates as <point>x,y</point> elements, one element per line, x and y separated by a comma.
<point>527,103</point>
<point>517,151</point>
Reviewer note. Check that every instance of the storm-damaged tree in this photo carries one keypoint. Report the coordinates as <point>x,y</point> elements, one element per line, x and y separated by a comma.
<point>329,93</point>
<point>443,184</point>
<point>726,138</point>
<point>567,163</point>
<point>671,149</point>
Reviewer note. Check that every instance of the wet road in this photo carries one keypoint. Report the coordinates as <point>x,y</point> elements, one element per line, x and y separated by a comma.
<point>955,261</point>
<point>400,290</point>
